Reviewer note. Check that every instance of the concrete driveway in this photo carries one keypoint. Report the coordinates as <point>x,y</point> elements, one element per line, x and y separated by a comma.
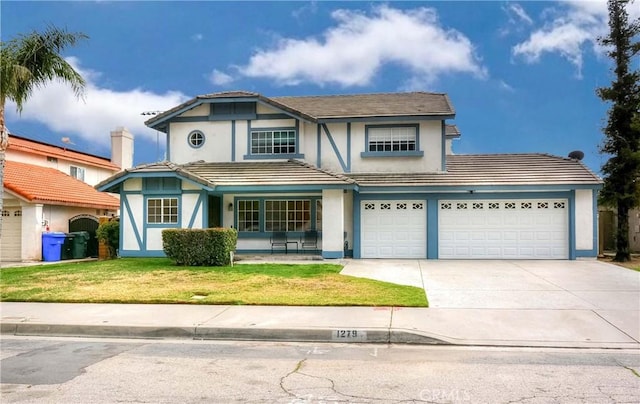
<point>588,290</point>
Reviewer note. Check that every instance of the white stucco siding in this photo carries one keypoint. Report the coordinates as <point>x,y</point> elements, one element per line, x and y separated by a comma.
<point>584,219</point>
<point>200,110</point>
<point>189,206</point>
<point>266,109</point>
<point>154,239</point>
<point>216,146</point>
<point>129,240</point>
<point>430,143</point>
<point>273,123</point>
<point>332,223</point>
<point>133,184</point>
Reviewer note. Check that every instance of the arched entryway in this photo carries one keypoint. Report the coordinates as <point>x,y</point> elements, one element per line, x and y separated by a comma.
<point>89,224</point>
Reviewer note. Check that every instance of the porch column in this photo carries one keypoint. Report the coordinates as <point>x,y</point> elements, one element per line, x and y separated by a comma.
<point>332,223</point>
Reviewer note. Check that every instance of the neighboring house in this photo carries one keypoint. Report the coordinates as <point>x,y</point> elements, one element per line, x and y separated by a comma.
<point>372,173</point>
<point>51,188</point>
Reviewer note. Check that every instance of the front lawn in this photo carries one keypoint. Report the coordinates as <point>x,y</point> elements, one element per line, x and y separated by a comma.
<point>158,280</point>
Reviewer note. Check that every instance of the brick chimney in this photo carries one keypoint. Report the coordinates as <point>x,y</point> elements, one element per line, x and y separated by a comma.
<point>122,147</point>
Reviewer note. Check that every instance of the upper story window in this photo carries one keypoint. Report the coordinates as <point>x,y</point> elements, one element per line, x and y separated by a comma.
<point>392,140</point>
<point>196,139</point>
<point>77,172</point>
<point>273,142</point>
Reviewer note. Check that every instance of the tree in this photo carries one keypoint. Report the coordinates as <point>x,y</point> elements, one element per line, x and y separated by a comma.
<point>622,132</point>
<point>28,62</point>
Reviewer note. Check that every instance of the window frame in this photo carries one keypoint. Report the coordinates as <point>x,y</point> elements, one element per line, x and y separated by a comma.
<point>251,155</point>
<point>391,153</point>
<point>77,172</point>
<point>163,223</point>
<point>191,137</point>
<point>315,206</point>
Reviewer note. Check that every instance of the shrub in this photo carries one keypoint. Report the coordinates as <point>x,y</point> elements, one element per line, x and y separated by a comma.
<point>109,233</point>
<point>198,247</point>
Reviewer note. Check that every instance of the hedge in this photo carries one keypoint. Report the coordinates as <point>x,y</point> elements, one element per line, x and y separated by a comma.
<point>109,233</point>
<point>200,247</point>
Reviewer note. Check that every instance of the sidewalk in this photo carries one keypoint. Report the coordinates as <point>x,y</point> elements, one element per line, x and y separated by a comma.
<point>484,327</point>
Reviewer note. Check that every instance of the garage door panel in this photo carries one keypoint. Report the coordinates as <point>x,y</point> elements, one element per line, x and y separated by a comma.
<point>393,229</point>
<point>11,237</point>
<point>533,229</point>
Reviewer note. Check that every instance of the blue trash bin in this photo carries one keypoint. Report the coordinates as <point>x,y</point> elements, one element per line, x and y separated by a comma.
<point>52,245</point>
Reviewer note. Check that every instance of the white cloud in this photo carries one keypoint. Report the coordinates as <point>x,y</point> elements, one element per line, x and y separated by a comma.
<point>219,78</point>
<point>197,37</point>
<point>353,51</point>
<point>516,10</point>
<point>506,86</point>
<point>101,111</point>
<point>568,29</point>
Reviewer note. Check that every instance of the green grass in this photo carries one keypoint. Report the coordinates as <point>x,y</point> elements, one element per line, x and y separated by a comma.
<point>158,280</point>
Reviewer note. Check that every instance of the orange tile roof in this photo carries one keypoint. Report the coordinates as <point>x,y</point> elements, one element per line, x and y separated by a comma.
<point>34,147</point>
<point>53,187</point>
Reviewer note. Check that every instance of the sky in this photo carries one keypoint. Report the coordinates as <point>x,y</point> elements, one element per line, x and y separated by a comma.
<point>522,76</point>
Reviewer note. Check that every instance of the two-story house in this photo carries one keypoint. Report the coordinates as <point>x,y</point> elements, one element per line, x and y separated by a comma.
<point>51,188</point>
<point>372,173</point>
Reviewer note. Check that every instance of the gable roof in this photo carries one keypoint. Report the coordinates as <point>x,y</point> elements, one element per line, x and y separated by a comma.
<point>266,173</point>
<point>330,107</point>
<point>25,145</point>
<point>50,186</point>
<point>492,170</point>
<point>235,175</point>
<point>371,105</point>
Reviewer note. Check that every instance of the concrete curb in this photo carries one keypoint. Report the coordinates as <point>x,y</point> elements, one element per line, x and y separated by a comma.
<point>379,336</point>
<point>320,335</point>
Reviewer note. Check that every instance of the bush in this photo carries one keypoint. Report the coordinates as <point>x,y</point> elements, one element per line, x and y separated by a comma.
<point>200,247</point>
<point>109,233</point>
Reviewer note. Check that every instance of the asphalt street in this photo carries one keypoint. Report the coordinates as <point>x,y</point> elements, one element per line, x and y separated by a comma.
<point>83,370</point>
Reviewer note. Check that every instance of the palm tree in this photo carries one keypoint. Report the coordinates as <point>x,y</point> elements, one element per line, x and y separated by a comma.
<point>28,62</point>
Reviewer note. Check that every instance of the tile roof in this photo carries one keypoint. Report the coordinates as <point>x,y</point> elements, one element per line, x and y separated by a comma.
<point>272,173</point>
<point>451,131</point>
<point>50,186</point>
<point>371,105</point>
<point>529,170</point>
<point>238,174</point>
<point>17,143</point>
<point>493,170</point>
<point>314,108</point>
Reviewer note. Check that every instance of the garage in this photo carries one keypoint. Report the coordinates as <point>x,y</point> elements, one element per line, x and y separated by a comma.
<point>503,229</point>
<point>11,238</point>
<point>393,229</point>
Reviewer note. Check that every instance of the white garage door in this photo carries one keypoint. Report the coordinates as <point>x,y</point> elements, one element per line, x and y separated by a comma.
<point>517,229</point>
<point>393,229</point>
<point>11,238</point>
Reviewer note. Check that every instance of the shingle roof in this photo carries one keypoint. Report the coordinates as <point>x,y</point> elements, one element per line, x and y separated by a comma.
<point>314,108</point>
<point>491,170</point>
<point>451,131</point>
<point>239,174</point>
<point>17,143</point>
<point>371,105</point>
<point>53,187</point>
<point>528,170</point>
<point>272,173</point>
